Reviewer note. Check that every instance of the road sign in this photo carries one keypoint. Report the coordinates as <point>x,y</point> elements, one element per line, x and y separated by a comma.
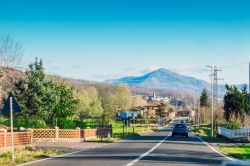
<point>128,115</point>
<point>124,116</point>
<point>15,105</point>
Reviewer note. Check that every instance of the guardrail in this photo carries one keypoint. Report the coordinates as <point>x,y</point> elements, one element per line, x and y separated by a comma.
<point>233,134</point>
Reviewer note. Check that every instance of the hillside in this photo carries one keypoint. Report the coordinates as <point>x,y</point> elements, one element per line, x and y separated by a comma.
<point>7,79</point>
<point>164,79</point>
<point>167,80</point>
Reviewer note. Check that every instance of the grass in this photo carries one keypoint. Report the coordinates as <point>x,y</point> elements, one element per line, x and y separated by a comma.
<point>139,129</point>
<point>26,155</point>
<point>104,140</point>
<point>237,151</point>
<point>118,132</point>
<point>205,133</point>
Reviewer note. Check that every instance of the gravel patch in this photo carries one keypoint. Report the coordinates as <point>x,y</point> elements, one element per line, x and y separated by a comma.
<point>70,147</point>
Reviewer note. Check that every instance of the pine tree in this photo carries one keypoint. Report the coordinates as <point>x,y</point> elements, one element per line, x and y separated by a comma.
<point>204,99</point>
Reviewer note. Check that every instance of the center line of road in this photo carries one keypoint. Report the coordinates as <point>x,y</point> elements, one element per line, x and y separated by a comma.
<point>148,152</point>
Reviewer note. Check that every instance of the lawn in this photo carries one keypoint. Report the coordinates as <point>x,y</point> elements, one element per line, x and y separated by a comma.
<point>139,129</point>
<point>237,151</point>
<point>205,133</point>
<point>26,155</point>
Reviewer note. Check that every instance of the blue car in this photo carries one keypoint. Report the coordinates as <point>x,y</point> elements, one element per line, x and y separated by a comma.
<point>180,130</point>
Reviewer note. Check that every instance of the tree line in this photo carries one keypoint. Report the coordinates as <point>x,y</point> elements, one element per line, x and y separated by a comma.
<point>232,113</point>
<point>54,103</point>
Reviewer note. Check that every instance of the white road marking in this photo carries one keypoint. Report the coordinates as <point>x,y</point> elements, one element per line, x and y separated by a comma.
<point>213,149</point>
<point>148,152</point>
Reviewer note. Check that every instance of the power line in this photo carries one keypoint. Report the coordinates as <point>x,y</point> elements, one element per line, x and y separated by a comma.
<point>235,65</point>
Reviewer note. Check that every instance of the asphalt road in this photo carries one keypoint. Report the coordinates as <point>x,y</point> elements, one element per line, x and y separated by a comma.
<point>177,151</point>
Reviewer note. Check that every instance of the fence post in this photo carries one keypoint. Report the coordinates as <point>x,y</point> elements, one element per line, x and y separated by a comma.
<point>79,132</point>
<point>31,135</point>
<point>57,132</point>
<point>4,138</point>
<point>111,130</point>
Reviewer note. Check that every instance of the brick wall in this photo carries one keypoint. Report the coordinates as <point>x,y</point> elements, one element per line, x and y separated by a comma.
<point>20,139</point>
<point>64,135</point>
<point>52,135</point>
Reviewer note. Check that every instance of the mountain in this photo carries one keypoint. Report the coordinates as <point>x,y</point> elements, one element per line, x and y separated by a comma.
<point>167,80</point>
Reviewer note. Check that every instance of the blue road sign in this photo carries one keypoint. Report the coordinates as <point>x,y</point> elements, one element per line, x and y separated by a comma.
<point>128,115</point>
<point>15,105</point>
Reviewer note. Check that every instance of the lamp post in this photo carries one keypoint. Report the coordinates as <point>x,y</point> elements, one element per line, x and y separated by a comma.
<point>212,101</point>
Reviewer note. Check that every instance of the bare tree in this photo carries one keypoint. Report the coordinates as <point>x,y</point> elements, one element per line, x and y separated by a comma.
<point>11,52</point>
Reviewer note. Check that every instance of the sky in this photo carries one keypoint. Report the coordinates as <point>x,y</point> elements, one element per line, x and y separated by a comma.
<point>104,39</point>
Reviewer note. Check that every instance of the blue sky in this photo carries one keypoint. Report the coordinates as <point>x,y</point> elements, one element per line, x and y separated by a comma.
<point>97,40</point>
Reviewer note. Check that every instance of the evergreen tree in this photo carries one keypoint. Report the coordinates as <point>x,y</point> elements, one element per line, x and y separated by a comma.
<point>204,99</point>
<point>235,101</point>
<point>41,98</point>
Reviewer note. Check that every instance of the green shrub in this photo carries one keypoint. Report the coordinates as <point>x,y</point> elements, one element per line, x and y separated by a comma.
<point>66,124</point>
<point>29,123</point>
<point>4,121</point>
<point>37,124</point>
<point>233,123</point>
<point>26,123</point>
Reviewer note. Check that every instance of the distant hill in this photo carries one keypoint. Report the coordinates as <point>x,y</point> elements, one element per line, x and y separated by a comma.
<point>167,80</point>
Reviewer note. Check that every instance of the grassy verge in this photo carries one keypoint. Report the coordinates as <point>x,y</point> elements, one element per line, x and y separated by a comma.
<point>104,140</point>
<point>26,155</point>
<point>205,133</point>
<point>237,151</point>
<point>139,129</point>
<point>118,131</point>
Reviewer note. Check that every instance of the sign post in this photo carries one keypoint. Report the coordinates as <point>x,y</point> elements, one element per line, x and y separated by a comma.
<point>123,126</point>
<point>11,106</point>
<point>133,124</point>
<point>126,117</point>
<point>12,132</point>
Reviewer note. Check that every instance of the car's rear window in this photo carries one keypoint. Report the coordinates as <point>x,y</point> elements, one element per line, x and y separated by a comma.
<point>180,126</point>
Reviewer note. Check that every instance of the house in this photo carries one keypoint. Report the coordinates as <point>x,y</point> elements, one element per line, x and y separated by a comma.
<point>151,108</point>
<point>171,115</point>
<point>138,110</point>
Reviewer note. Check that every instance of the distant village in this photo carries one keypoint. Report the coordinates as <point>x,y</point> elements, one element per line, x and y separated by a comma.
<point>174,107</point>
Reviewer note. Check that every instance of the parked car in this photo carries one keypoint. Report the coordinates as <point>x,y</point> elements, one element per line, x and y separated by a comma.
<point>180,129</point>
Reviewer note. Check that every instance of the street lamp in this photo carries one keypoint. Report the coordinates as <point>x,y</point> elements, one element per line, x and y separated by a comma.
<point>212,101</point>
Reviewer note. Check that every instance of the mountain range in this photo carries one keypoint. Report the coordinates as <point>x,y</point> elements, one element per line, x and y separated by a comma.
<point>168,80</point>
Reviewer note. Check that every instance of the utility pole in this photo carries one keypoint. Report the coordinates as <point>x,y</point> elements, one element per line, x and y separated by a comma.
<point>215,88</point>
<point>249,103</point>
<point>212,101</point>
<point>216,79</point>
<point>199,105</point>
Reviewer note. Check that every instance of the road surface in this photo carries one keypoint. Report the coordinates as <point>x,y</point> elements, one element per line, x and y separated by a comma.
<point>155,149</point>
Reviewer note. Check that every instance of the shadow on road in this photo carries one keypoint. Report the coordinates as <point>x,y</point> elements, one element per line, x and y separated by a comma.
<point>171,156</point>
